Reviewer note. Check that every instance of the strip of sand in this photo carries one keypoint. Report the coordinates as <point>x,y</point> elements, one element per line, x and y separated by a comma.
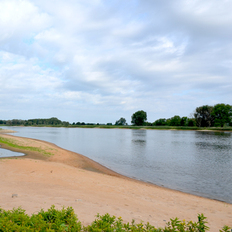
<point>65,179</point>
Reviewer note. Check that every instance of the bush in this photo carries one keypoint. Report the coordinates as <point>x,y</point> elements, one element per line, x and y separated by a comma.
<point>66,220</point>
<point>51,220</point>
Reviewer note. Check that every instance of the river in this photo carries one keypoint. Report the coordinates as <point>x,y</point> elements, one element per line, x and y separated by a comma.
<point>194,162</point>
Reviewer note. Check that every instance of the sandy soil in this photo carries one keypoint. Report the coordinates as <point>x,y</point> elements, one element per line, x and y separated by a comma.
<point>69,179</point>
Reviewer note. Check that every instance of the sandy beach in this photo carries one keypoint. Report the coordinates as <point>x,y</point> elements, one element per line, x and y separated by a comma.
<point>67,179</point>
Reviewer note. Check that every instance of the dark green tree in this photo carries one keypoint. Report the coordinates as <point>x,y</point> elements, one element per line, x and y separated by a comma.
<point>191,122</point>
<point>55,121</point>
<point>184,121</point>
<point>222,114</point>
<point>160,122</point>
<point>139,118</point>
<point>175,121</point>
<point>2,122</point>
<point>203,116</point>
<point>121,122</point>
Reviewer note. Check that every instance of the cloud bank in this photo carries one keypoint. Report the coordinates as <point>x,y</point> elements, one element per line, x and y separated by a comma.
<point>97,61</point>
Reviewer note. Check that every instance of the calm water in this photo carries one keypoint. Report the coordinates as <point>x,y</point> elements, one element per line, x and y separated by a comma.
<point>194,162</point>
<point>8,153</point>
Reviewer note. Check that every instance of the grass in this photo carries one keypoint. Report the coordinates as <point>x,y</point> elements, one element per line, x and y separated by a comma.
<point>12,143</point>
<point>66,220</point>
<point>153,127</point>
<point>228,128</point>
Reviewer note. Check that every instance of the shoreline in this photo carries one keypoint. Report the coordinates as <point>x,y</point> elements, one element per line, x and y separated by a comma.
<point>86,163</point>
<point>172,128</point>
<point>80,162</point>
<point>83,162</point>
<point>96,189</point>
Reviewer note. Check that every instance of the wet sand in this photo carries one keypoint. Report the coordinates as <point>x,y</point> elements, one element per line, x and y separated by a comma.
<point>70,179</point>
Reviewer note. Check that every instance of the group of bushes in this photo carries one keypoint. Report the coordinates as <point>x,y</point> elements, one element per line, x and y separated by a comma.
<point>66,220</point>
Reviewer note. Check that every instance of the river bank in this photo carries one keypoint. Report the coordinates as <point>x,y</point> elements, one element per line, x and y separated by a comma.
<point>63,178</point>
<point>184,128</point>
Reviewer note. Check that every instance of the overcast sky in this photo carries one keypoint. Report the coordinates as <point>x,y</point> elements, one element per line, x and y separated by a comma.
<point>99,60</point>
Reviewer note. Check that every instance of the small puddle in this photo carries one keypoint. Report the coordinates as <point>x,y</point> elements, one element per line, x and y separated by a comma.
<point>8,153</point>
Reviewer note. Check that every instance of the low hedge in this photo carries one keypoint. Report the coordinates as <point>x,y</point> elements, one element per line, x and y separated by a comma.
<point>66,220</point>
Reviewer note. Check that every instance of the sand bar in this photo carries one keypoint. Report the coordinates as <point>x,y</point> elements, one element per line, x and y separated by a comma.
<point>69,179</point>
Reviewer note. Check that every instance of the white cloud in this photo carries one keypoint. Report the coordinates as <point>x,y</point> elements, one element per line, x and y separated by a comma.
<point>21,19</point>
<point>114,57</point>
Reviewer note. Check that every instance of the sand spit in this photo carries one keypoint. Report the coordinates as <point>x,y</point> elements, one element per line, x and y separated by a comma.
<point>69,179</point>
<point>2,131</point>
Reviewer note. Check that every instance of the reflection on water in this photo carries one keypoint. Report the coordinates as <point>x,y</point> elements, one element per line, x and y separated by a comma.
<point>139,137</point>
<point>189,161</point>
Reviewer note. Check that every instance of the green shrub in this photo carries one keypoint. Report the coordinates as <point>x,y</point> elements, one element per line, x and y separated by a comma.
<point>17,220</point>
<point>51,220</point>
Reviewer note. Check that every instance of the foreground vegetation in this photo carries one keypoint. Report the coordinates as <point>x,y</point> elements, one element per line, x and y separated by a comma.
<point>66,220</point>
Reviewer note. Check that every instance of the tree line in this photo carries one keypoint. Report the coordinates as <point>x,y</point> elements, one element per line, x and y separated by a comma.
<point>35,122</point>
<point>218,115</point>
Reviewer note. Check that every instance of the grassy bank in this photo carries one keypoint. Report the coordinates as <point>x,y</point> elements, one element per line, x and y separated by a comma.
<point>11,143</point>
<point>154,127</point>
<point>66,220</point>
<point>194,128</point>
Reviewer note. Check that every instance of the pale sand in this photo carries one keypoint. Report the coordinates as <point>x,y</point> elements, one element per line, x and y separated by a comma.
<point>63,180</point>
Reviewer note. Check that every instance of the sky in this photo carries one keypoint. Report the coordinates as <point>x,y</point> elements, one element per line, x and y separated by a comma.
<point>97,61</point>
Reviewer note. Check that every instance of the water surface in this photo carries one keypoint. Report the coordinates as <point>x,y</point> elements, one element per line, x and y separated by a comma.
<point>8,153</point>
<point>190,161</point>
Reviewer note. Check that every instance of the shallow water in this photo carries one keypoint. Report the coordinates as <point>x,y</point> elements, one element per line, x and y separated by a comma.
<point>190,161</point>
<point>8,153</point>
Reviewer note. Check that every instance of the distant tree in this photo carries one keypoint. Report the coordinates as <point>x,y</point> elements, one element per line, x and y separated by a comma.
<point>139,118</point>
<point>168,121</point>
<point>109,124</point>
<point>203,116</point>
<point>54,121</point>
<point>191,122</point>
<point>222,114</point>
<point>184,121</point>
<point>160,122</point>
<point>175,121</point>
<point>9,122</point>
<point>121,122</point>
<point>64,123</point>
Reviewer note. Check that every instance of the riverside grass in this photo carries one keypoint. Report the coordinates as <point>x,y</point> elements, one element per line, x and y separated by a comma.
<point>66,220</point>
<point>12,143</point>
<point>193,128</point>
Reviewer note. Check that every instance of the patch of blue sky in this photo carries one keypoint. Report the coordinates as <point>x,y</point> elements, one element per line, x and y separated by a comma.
<point>46,65</point>
<point>184,93</point>
<point>29,41</point>
<point>143,17</point>
<point>123,5</point>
